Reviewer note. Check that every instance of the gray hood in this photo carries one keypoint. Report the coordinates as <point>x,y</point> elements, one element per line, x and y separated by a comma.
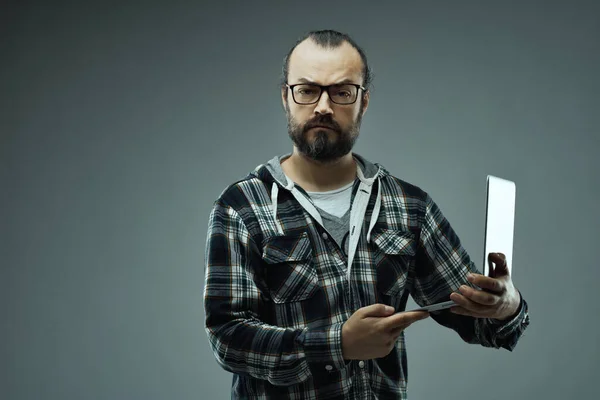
<point>369,170</point>
<point>367,174</point>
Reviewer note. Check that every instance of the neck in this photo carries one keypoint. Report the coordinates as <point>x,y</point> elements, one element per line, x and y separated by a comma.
<point>314,176</point>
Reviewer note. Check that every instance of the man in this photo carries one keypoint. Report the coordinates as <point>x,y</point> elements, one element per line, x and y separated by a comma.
<point>311,257</point>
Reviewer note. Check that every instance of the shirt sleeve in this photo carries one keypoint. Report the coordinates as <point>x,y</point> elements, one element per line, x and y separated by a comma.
<point>233,298</point>
<point>442,266</point>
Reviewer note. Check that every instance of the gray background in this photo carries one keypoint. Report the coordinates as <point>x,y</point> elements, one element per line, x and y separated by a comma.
<point>121,123</point>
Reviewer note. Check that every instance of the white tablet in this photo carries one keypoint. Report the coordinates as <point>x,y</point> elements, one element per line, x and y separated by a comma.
<point>499,228</point>
<point>436,307</point>
<point>499,220</point>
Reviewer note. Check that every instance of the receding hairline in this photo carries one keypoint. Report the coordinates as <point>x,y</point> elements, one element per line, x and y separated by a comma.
<point>328,47</point>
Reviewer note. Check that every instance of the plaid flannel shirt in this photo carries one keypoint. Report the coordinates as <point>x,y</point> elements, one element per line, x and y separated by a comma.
<point>277,289</point>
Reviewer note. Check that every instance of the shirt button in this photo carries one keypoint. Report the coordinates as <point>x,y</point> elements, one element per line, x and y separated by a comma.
<point>325,236</point>
<point>361,364</point>
<point>328,367</point>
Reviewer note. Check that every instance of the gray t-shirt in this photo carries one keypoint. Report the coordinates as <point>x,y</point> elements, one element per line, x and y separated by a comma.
<point>335,201</point>
<point>337,227</point>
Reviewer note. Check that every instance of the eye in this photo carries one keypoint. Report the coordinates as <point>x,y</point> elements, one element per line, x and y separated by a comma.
<point>306,91</point>
<point>343,93</point>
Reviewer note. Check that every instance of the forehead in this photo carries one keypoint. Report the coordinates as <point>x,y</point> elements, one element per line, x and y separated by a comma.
<point>325,66</point>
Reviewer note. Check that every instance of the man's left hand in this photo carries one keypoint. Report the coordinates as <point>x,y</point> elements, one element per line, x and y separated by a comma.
<point>499,298</point>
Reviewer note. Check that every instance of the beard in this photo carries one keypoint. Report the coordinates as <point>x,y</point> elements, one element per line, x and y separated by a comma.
<point>325,146</point>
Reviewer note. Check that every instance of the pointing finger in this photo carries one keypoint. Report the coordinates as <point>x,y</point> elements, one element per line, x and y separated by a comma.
<point>479,296</point>
<point>468,304</point>
<point>404,319</point>
<point>485,282</point>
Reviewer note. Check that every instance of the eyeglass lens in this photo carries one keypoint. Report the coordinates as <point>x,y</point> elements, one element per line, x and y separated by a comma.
<point>341,94</point>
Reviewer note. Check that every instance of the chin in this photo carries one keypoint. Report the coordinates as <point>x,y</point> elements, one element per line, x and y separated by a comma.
<point>323,131</point>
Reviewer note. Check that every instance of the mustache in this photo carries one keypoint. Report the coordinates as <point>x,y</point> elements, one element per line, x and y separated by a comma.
<point>326,122</point>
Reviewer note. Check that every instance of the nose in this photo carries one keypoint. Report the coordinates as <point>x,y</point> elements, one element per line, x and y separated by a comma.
<point>323,106</point>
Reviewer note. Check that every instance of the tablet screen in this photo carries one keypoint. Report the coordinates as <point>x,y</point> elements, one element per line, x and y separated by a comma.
<point>500,220</point>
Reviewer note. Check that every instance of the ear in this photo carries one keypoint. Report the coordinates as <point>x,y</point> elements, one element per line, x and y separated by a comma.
<point>365,102</point>
<point>284,96</point>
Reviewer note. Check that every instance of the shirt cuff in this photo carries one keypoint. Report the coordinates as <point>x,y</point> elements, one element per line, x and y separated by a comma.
<point>323,349</point>
<point>509,325</point>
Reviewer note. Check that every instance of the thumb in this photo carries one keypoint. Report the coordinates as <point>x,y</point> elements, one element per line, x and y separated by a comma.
<point>376,310</point>
<point>501,264</point>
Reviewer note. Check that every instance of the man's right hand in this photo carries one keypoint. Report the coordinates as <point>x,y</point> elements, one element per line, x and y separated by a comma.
<point>372,331</point>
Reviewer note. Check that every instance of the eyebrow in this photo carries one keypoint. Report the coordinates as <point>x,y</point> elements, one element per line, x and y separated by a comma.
<point>343,81</point>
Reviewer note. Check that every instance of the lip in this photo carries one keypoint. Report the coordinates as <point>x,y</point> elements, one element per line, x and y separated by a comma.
<point>322,127</point>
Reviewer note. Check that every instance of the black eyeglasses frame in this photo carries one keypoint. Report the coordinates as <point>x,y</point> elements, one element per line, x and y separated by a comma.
<point>325,88</point>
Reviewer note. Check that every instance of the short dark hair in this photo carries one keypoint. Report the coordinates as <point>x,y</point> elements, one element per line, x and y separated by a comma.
<point>330,39</point>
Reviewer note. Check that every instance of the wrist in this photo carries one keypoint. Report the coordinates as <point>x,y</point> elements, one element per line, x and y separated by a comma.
<point>514,310</point>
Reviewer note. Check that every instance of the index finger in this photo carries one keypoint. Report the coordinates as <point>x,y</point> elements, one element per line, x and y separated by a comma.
<point>403,318</point>
<point>486,282</point>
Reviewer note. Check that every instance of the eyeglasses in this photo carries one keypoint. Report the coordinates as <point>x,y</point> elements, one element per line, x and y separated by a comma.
<point>345,93</point>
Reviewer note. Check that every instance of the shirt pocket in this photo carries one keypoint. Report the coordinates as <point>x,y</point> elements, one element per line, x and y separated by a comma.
<point>290,272</point>
<point>394,256</point>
